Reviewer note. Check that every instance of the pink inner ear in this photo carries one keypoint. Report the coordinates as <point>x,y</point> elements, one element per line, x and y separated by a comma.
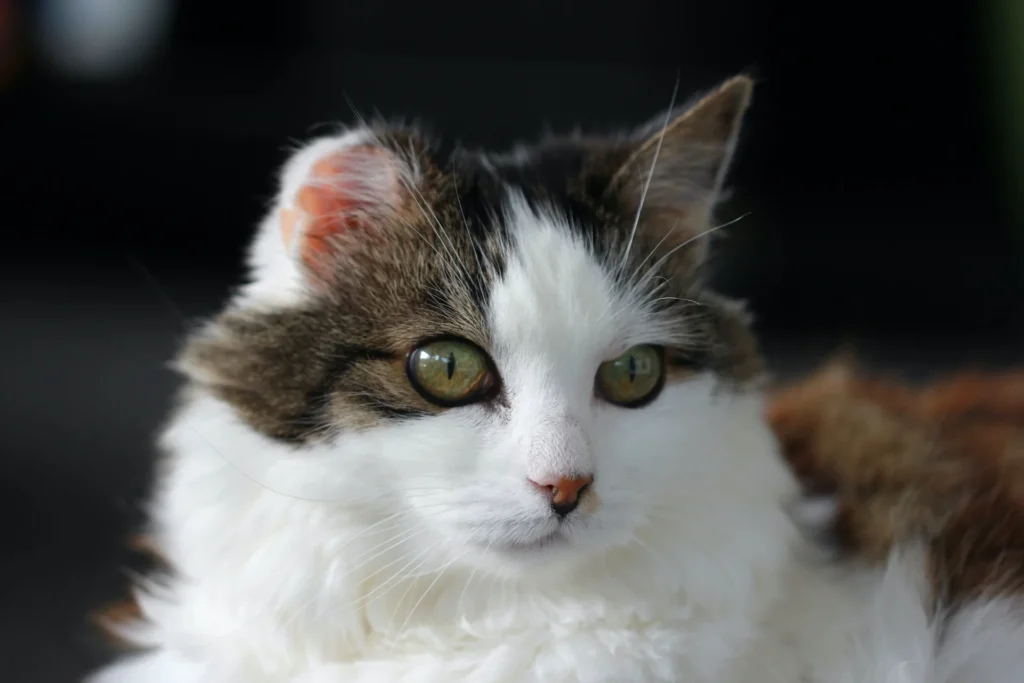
<point>341,192</point>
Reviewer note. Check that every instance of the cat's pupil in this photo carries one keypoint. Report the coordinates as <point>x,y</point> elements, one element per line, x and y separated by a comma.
<point>632,368</point>
<point>451,363</point>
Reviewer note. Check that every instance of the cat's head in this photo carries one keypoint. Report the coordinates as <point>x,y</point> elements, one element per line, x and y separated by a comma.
<point>516,353</point>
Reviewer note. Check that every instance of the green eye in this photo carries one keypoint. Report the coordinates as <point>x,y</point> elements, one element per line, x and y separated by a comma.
<point>451,372</point>
<point>634,378</point>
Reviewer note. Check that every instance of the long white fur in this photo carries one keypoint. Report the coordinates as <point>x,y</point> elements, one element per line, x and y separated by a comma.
<point>388,555</point>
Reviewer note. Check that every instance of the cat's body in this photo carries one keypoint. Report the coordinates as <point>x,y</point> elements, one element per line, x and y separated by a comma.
<point>480,420</point>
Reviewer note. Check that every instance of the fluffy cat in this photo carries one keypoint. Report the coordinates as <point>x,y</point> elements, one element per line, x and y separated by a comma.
<point>479,418</point>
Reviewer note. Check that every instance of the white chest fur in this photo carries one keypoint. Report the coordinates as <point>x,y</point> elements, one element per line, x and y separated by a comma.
<point>287,584</point>
<point>327,596</point>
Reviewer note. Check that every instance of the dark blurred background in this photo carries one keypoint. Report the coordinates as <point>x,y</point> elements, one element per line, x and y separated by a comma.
<point>140,138</point>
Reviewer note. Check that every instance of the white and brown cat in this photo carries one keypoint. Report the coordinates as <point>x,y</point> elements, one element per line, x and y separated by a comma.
<point>479,418</point>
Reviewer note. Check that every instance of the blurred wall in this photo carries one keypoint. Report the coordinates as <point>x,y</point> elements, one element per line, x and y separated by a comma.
<point>869,160</point>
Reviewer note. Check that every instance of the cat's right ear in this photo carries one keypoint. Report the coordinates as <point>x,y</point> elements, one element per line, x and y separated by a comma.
<point>674,166</point>
<point>334,195</point>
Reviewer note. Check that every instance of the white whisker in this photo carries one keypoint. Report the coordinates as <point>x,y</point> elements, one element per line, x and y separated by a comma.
<point>426,592</point>
<point>462,595</point>
<point>396,578</point>
<point>465,223</point>
<point>653,269</point>
<point>651,253</point>
<point>412,582</point>
<point>650,175</point>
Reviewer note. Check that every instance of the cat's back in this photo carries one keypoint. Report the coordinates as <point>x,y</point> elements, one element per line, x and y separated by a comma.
<point>926,482</point>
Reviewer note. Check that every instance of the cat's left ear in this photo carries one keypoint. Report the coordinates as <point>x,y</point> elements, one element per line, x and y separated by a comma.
<point>676,164</point>
<point>337,195</point>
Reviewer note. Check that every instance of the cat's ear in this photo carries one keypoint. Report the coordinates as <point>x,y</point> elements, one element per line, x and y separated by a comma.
<point>676,164</point>
<point>335,193</point>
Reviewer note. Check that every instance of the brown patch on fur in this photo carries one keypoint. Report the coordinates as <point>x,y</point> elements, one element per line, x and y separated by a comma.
<point>942,464</point>
<point>732,349</point>
<point>147,547</point>
<point>110,619</point>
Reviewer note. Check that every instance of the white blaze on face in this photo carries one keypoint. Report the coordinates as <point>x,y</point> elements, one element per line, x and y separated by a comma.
<point>553,318</point>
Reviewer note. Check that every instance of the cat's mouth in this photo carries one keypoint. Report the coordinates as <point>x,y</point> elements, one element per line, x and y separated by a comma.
<point>554,539</point>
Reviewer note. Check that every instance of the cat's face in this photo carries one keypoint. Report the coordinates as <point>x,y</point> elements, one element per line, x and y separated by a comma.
<point>504,352</point>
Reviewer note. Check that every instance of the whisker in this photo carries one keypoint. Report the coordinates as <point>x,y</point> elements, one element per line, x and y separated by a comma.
<point>462,595</point>
<point>465,223</point>
<point>426,592</point>
<point>418,198</point>
<point>302,608</point>
<point>421,236</point>
<point>653,269</point>
<point>411,575</point>
<point>650,175</point>
<point>435,224</point>
<point>396,578</point>
<point>692,303</point>
<point>653,251</point>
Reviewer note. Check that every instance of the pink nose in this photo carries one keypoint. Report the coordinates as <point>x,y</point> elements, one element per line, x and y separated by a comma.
<point>564,492</point>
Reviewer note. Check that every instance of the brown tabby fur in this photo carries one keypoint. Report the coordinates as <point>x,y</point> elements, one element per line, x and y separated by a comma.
<point>941,464</point>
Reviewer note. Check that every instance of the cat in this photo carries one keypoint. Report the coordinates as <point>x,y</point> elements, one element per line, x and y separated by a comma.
<point>479,417</point>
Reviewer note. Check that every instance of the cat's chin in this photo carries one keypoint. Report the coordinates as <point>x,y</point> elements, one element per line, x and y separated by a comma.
<point>548,545</point>
<point>553,554</point>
